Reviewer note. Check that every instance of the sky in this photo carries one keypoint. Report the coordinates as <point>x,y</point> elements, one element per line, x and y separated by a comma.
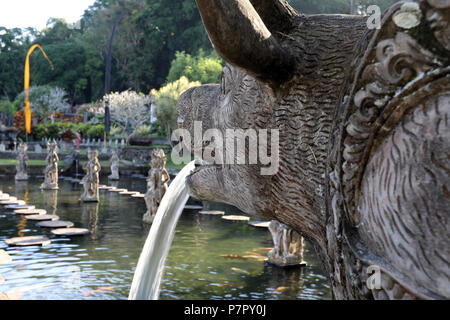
<point>35,13</point>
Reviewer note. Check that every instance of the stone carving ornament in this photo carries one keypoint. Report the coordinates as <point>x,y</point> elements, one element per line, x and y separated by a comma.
<point>51,170</point>
<point>364,144</point>
<point>288,246</point>
<point>21,167</point>
<point>157,182</point>
<point>114,165</point>
<point>90,181</point>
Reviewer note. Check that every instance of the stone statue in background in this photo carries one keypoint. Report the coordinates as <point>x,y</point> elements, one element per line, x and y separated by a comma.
<point>21,167</point>
<point>157,181</point>
<point>91,180</point>
<point>288,246</point>
<point>114,165</point>
<point>51,170</point>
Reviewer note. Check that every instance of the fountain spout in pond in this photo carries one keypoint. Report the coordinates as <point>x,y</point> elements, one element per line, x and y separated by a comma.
<point>150,267</point>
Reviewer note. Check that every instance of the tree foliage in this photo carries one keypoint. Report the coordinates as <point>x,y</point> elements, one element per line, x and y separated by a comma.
<point>165,100</point>
<point>206,69</point>
<point>129,109</point>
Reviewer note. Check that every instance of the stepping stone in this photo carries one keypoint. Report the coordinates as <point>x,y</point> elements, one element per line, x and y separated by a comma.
<point>9,202</point>
<point>30,211</point>
<point>212,212</point>
<point>128,192</point>
<point>42,217</point>
<point>117,190</point>
<point>236,218</point>
<point>4,257</point>
<point>55,224</point>
<point>193,207</point>
<point>28,241</point>
<point>7,199</point>
<point>4,196</point>
<point>20,206</point>
<point>70,232</point>
<point>259,224</point>
<point>138,195</point>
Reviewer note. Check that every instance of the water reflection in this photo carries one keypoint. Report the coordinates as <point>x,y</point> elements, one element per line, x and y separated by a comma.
<point>101,266</point>
<point>50,201</point>
<point>89,216</point>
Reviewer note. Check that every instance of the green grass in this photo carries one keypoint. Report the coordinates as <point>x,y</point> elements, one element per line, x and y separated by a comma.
<point>170,164</point>
<point>33,162</point>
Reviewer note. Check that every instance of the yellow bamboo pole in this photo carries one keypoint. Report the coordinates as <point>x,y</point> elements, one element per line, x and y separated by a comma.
<point>27,85</point>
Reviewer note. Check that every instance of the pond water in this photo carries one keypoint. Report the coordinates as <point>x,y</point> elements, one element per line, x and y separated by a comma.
<point>101,265</point>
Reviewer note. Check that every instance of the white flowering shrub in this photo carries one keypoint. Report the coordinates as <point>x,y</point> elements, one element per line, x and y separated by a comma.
<point>45,100</point>
<point>128,109</point>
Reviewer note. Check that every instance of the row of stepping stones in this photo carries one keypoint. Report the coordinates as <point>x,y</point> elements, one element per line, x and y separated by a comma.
<point>192,208</point>
<point>134,194</point>
<point>44,220</point>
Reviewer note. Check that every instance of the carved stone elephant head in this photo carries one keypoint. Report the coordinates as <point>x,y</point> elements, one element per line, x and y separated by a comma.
<point>361,119</point>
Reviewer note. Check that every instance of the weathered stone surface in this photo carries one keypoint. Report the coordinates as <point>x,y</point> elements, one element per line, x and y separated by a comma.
<point>114,165</point>
<point>11,202</point>
<point>51,170</point>
<point>259,224</point>
<point>42,217</point>
<point>117,190</point>
<point>138,195</point>
<point>361,117</point>
<point>55,224</point>
<point>288,246</point>
<point>28,241</point>
<point>21,167</point>
<point>235,218</point>
<point>19,206</point>
<point>90,181</point>
<point>212,212</point>
<point>30,211</point>
<point>70,232</point>
<point>128,193</point>
<point>157,182</point>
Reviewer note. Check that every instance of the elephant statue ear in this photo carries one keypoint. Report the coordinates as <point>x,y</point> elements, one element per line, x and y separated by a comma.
<point>240,36</point>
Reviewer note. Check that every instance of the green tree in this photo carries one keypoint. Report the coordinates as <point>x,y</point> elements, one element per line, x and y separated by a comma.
<point>206,69</point>
<point>165,100</point>
<point>14,44</point>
